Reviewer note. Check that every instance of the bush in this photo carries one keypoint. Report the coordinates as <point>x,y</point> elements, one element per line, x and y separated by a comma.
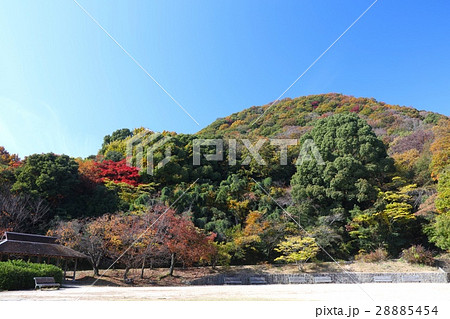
<point>377,255</point>
<point>18,274</point>
<point>417,255</point>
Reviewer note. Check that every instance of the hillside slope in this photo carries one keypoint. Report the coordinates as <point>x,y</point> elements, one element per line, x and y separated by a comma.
<point>291,118</point>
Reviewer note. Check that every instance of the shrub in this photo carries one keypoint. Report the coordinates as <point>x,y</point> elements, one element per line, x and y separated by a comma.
<point>417,255</point>
<point>380,254</point>
<point>18,274</point>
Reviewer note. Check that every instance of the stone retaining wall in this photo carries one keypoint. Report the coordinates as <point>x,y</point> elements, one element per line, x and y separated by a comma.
<point>343,278</point>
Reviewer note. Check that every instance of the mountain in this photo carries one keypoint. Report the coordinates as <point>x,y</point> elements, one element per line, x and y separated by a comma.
<point>291,118</point>
<point>371,193</point>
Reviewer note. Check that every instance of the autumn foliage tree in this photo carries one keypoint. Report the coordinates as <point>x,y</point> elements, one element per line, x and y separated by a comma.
<point>86,236</point>
<point>132,239</point>
<point>297,249</point>
<point>259,236</point>
<point>8,159</point>
<point>119,172</point>
<point>90,173</point>
<point>186,243</point>
<point>440,148</point>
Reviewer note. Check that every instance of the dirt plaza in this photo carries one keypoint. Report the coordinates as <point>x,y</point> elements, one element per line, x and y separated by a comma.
<point>380,292</point>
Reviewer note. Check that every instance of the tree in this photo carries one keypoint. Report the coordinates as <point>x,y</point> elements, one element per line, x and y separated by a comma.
<point>117,135</point>
<point>118,236</point>
<point>405,162</point>
<point>258,237</point>
<point>440,148</point>
<point>51,177</point>
<point>8,165</point>
<point>86,236</point>
<point>115,141</point>
<point>416,140</point>
<point>131,197</point>
<point>20,212</point>
<point>90,173</point>
<point>93,198</point>
<point>119,172</point>
<point>48,175</point>
<point>126,239</point>
<point>439,231</point>
<point>390,223</point>
<point>185,242</point>
<point>8,159</point>
<point>297,249</point>
<point>443,195</point>
<point>355,165</point>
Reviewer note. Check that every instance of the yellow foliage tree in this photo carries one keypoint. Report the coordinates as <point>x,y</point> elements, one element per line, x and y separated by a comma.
<point>440,148</point>
<point>297,249</point>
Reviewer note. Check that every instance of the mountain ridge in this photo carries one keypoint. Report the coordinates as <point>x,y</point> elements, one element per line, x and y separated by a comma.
<point>283,117</point>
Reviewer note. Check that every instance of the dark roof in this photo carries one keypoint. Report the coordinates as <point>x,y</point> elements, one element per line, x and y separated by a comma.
<point>35,245</point>
<point>29,237</point>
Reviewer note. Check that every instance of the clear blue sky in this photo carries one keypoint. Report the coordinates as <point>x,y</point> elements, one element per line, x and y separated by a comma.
<point>64,84</point>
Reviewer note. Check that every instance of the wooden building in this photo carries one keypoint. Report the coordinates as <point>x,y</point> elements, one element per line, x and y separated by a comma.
<point>40,248</point>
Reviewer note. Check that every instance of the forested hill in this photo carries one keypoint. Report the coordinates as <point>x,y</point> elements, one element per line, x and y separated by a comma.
<point>384,183</point>
<point>407,132</point>
<point>291,118</point>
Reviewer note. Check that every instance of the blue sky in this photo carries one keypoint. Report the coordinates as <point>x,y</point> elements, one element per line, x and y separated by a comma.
<point>64,83</point>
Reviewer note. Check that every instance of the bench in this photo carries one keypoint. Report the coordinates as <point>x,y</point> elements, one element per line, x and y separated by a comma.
<point>232,281</point>
<point>411,278</point>
<point>322,279</point>
<point>257,281</point>
<point>45,282</point>
<point>297,280</point>
<point>382,279</point>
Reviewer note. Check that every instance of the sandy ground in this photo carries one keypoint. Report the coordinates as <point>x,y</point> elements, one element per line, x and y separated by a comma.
<point>408,292</point>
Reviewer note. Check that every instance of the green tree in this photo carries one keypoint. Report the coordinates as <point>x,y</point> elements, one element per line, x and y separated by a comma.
<point>439,231</point>
<point>443,188</point>
<point>390,223</point>
<point>115,142</point>
<point>51,177</point>
<point>355,164</point>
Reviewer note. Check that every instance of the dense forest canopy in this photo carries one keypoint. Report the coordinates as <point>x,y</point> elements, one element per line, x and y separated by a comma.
<point>382,183</point>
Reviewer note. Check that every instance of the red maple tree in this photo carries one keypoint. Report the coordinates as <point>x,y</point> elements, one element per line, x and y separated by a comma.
<point>185,242</point>
<point>119,172</point>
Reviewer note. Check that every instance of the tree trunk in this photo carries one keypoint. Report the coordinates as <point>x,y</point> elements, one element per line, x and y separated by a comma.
<point>95,262</point>
<point>127,268</point>
<point>95,268</point>
<point>172,264</point>
<point>142,269</point>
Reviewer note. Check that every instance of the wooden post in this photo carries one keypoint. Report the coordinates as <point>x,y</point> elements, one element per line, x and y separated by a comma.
<point>75,269</point>
<point>65,268</point>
